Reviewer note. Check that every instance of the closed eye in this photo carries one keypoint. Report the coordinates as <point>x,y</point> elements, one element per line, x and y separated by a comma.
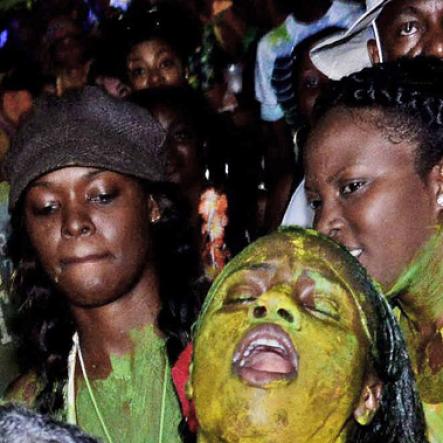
<point>322,307</point>
<point>242,294</point>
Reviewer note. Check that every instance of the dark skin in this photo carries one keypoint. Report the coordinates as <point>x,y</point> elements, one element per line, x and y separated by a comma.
<point>367,195</point>
<point>154,63</point>
<point>365,190</point>
<point>409,28</point>
<point>91,231</point>
<point>184,148</point>
<point>309,83</point>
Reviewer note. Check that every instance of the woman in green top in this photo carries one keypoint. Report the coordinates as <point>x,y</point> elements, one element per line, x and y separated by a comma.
<point>103,268</point>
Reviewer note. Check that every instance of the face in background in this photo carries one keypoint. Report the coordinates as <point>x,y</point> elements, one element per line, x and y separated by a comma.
<point>310,83</point>
<point>280,352</point>
<point>90,230</point>
<point>154,63</point>
<point>185,163</point>
<point>366,193</point>
<point>409,28</point>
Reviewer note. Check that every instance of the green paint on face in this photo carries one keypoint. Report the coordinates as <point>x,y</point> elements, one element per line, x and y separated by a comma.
<point>284,332</point>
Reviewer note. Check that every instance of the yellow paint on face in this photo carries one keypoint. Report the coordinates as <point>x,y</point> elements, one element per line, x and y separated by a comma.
<point>282,283</point>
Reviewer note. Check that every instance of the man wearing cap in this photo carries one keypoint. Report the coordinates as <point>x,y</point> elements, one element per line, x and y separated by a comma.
<point>389,29</point>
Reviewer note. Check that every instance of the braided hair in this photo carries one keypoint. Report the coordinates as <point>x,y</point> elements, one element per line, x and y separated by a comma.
<point>408,94</point>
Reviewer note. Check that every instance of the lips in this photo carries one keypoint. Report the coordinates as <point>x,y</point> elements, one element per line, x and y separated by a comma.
<point>265,354</point>
<point>90,258</point>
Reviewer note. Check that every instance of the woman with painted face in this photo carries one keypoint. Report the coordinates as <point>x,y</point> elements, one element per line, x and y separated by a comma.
<point>294,344</point>
<point>374,177</point>
<point>103,268</point>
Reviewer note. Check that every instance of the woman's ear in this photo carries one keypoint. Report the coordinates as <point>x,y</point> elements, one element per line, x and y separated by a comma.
<point>154,209</point>
<point>369,401</point>
<point>435,182</point>
<point>374,55</point>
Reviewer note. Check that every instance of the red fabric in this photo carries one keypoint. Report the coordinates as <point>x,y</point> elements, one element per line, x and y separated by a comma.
<point>180,376</point>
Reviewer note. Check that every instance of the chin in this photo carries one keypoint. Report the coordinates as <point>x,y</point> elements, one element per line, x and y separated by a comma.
<point>93,293</point>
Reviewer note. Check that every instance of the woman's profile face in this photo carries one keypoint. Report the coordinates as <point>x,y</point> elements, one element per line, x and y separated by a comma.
<point>153,63</point>
<point>184,164</point>
<point>90,230</point>
<point>282,337</point>
<point>362,183</point>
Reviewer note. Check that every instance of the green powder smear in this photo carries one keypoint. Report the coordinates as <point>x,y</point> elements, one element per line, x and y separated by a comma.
<point>130,398</point>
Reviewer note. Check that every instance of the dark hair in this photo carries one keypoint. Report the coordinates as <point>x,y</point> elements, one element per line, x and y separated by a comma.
<point>44,324</point>
<point>168,21</point>
<point>20,425</point>
<point>409,94</point>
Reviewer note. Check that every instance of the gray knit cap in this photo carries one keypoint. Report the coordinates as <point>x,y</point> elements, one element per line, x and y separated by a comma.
<point>85,128</point>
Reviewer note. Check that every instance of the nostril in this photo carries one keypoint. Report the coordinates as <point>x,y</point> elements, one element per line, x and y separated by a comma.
<point>259,312</point>
<point>283,313</point>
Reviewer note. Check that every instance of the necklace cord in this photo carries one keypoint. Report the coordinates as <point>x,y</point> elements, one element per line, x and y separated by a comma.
<point>91,394</point>
<point>76,350</point>
<point>162,413</point>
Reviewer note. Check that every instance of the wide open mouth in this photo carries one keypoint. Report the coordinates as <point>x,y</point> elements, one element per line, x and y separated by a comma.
<point>265,354</point>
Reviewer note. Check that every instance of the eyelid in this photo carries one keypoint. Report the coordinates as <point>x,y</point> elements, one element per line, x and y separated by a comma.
<point>324,306</point>
<point>46,208</point>
<point>243,293</point>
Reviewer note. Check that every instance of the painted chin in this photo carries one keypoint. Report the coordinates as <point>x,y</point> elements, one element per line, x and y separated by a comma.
<point>264,355</point>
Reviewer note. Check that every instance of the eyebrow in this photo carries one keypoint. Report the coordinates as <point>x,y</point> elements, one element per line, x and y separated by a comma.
<point>45,184</point>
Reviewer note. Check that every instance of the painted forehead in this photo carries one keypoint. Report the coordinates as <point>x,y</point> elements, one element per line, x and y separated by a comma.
<point>310,252</point>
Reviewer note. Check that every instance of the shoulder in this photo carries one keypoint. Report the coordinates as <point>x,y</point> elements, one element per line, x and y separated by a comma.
<point>24,389</point>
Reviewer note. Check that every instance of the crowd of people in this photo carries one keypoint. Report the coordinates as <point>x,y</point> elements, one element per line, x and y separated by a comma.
<point>220,221</point>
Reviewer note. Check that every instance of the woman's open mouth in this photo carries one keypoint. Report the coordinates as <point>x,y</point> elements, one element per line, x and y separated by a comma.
<point>265,354</point>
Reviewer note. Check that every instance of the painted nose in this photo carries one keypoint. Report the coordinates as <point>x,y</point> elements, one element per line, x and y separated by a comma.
<point>275,306</point>
<point>434,44</point>
<point>329,221</point>
<point>76,223</point>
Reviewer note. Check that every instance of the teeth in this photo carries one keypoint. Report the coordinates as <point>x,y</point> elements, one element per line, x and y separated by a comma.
<point>269,342</point>
<point>356,252</point>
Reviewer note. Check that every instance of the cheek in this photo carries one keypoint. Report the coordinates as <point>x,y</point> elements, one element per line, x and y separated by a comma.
<point>44,237</point>
<point>174,76</point>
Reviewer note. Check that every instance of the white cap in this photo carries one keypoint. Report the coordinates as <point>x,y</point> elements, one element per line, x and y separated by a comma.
<point>346,52</point>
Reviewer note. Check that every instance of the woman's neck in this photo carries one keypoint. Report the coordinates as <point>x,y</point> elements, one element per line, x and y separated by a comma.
<point>105,330</point>
<point>420,288</point>
<point>419,292</point>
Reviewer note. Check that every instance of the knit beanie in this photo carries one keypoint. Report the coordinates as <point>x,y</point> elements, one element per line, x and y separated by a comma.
<point>85,128</point>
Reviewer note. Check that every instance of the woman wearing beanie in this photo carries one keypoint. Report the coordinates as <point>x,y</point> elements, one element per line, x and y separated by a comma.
<point>103,268</point>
